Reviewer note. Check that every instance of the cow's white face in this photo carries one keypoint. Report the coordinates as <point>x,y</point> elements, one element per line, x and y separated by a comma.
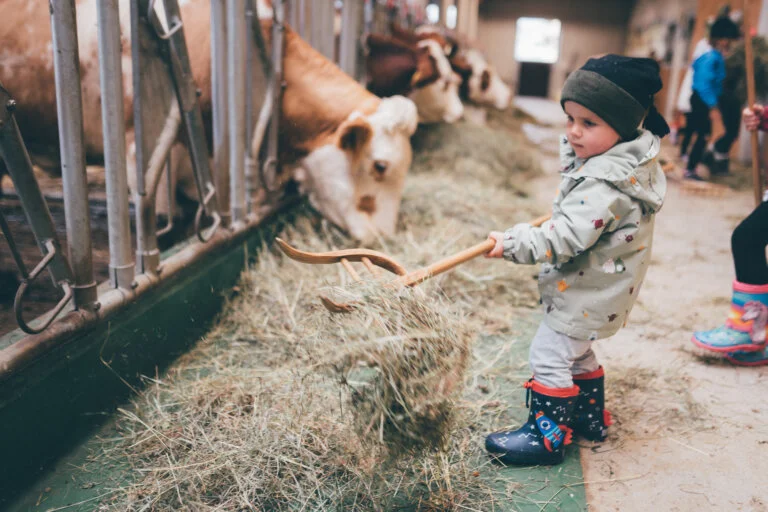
<point>485,86</point>
<point>357,182</point>
<point>439,101</point>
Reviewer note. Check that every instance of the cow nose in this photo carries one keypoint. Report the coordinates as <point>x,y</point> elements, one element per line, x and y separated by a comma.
<point>380,166</point>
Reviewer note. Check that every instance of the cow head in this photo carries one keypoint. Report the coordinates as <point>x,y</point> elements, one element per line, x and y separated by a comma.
<point>438,99</point>
<point>481,82</point>
<point>357,181</point>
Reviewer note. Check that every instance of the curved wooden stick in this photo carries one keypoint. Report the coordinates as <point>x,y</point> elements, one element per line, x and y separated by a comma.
<point>418,276</point>
<point>325,258</point>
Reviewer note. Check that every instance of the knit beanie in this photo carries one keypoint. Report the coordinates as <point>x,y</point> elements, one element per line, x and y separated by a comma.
<point>620,90</point>
<point>724,28</point>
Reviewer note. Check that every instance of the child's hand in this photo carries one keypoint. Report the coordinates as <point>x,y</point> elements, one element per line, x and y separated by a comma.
<point>498,249</point>
<point>752,117</point>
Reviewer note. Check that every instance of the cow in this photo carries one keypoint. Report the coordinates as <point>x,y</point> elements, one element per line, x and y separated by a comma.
<point>421,71</point>
<point>481,83</point>
<point>348,149</point>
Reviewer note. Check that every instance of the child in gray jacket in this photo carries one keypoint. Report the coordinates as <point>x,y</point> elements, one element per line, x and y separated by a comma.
<point>594,251</point>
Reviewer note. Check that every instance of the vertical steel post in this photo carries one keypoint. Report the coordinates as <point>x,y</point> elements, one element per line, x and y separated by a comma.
<point>321,27</point>
<point>69,106</point>
<point>351,27</point>
<point>220,104</point>
<point>301,6</point>
<point>113,123</point>
<point>236,60</point>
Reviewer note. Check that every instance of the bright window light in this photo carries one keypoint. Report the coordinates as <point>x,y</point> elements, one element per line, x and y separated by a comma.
<point>537,40</point>
<point>451,14</point>
<point>433,13</point>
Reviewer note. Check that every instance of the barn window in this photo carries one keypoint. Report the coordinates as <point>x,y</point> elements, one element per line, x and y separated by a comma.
<point>433,13</point>
<point>451,14</point>
<point>537,40</point>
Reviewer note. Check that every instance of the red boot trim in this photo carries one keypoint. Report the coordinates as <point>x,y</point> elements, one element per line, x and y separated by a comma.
<point>553,392</point>
<point>607,418</point>
<point>591,375</point>
<point>568,431</point>
<point>750,288</point>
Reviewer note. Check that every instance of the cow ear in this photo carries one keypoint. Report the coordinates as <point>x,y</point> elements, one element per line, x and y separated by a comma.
<point>354,134</point>
<point>461,65</point>
<point>426,69</point>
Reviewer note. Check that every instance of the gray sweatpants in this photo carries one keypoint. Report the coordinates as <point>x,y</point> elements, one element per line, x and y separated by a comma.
<point>555,357</point>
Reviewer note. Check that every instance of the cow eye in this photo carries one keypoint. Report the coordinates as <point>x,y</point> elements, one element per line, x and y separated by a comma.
<point>380,166</point>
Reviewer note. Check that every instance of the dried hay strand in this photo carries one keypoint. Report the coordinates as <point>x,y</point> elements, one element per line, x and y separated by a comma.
<point>284,406</point>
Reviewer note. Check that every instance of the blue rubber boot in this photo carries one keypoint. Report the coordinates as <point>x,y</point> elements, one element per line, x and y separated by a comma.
<point>590,418</point>
<point>744,330</point>
<point>542,439</point>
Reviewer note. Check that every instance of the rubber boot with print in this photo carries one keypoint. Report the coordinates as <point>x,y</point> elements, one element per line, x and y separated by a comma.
<point>542,439</point>
<point>590,418</point>
<point>744,330</point>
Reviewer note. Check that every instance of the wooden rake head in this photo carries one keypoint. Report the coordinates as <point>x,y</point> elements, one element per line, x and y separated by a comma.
<point>375,260</point>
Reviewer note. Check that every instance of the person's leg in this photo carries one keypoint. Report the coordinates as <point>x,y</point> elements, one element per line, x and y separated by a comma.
<point>590,418</point>
<point>748,244</point>
<point>687,134</point>
<point>542,439</point>
<point>731,112</point>
<point>702,128</point>
<point>744,330</point>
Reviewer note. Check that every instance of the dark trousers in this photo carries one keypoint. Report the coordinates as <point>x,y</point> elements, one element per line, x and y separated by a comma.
<point>701,127</point>
<point>748,244</point>
<point>687,134</point>
<point>730,109</point>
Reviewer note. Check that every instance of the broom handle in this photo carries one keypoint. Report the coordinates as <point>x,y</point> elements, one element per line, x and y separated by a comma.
<point>757,178</point>
<point>417,276</point>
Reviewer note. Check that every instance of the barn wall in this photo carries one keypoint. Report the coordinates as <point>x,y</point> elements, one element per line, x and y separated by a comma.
<point>583,32</point>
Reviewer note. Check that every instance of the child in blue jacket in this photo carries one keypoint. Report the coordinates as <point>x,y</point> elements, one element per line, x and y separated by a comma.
<point>708,76</point>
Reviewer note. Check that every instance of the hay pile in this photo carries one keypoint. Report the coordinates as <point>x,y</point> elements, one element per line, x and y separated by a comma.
<point>286,407</point>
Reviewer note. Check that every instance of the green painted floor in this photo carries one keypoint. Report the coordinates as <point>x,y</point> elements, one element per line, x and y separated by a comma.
<point>75,483</point>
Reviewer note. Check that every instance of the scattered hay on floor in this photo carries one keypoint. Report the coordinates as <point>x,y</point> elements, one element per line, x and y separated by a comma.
<point>286,407</point>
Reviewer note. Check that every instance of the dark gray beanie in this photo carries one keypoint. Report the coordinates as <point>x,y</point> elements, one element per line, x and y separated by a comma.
<point>620,90</point>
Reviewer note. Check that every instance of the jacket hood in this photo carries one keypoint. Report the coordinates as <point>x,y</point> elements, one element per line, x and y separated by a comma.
<point>631,166</point>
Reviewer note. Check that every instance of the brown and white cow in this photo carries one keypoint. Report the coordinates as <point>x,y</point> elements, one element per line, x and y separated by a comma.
<point>349,150</point>
<point>421,71</point>
<point>481,83</point>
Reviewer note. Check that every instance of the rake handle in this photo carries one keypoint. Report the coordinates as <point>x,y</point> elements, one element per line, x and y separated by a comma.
<point>418,276</point>
<point>757,178</point>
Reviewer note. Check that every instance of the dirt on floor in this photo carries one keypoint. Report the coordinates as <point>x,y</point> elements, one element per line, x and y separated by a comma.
<point>691,430</point>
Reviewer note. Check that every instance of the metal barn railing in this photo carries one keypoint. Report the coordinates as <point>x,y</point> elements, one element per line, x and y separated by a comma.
<point>235,193</point>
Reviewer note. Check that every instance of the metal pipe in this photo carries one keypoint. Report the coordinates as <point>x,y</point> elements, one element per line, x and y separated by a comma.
<point>14,154</point>
<point>113,123</point>
<point>320,29</point>
<point>351,27</point>
<point>251,163</point>
<point>236,60</point>
<point>269,169</point>
<point>69,107</point>
<point>220,104</point>
<point>301,5</point>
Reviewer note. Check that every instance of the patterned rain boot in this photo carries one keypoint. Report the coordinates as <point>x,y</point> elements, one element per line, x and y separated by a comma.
<point>542,439</point>
<point>744,331</point>
<point>758,358</point>
<point>590,418</point>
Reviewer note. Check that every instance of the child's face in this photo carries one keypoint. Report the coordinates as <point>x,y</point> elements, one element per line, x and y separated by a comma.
<point>587,133</point>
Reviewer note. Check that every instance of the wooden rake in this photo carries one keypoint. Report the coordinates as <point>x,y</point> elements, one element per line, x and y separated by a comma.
<point>375,260</point>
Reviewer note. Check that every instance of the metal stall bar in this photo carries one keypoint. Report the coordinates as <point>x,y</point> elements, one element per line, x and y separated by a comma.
<point>351,27</point>
<point>69,106</point>
<point>186,94</point>
<point>236,60</point>
<point>274,99</point>
<point>321,27</point>
<point>16,158</point>
<point>121,264</point>
<point>301,7</point>
<point>220,104</point>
